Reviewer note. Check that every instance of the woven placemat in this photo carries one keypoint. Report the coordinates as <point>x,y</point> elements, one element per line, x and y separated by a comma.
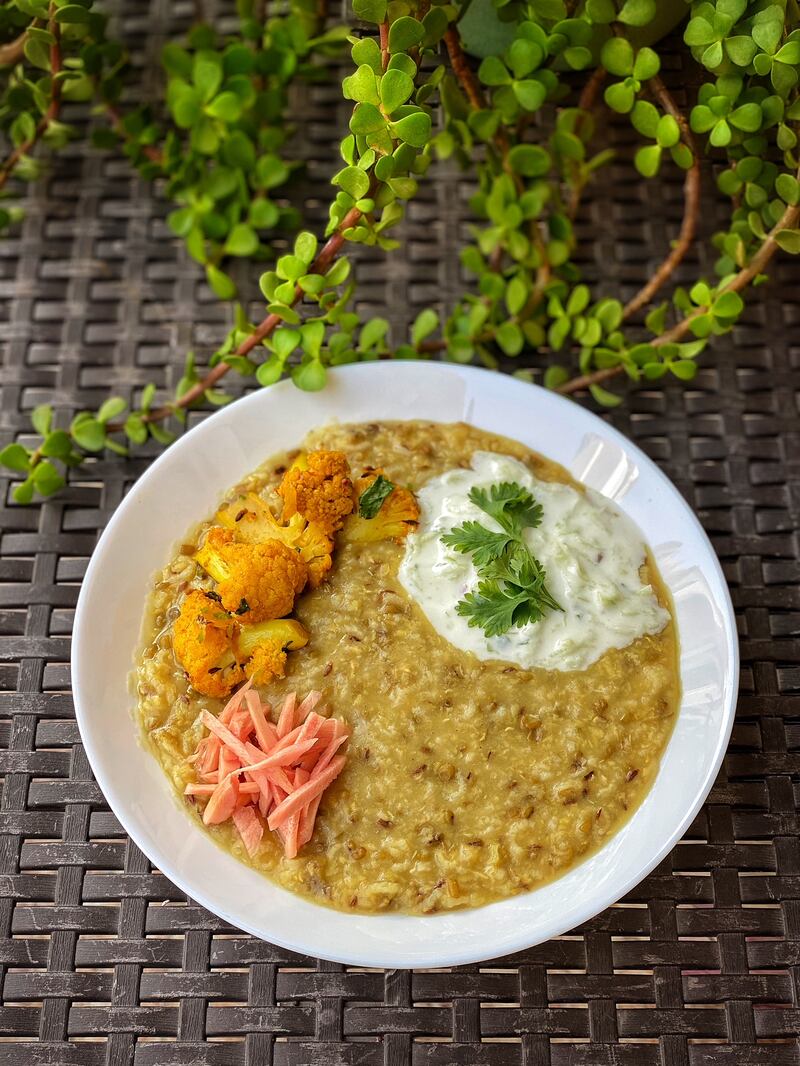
<point>104,961</point>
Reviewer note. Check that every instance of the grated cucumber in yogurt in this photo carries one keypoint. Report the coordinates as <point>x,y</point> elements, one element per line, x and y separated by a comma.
<point>591,552</point>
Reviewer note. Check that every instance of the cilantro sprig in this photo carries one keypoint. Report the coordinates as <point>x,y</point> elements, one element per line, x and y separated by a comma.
<point>512,590</point>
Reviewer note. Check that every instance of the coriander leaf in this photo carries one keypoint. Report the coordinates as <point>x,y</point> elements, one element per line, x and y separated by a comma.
<point>371,499</point>
<point>484,545</point>
<point>490,607</point>
<point>510,505</point>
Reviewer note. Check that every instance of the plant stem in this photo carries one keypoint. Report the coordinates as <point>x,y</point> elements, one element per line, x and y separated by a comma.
<point>691,211</point>
<point>50,115</point>
<point>463,71</point>
<point>384,38</point>
<point>586,102</point>
<point>12,51</point>
<point>118,126</point>
<point>788,220</point>
<point>321,264</point>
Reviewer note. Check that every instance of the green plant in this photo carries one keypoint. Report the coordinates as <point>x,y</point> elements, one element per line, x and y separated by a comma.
<point>221,140</point>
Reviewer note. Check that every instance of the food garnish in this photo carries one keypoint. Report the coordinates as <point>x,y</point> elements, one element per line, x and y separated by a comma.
<point>250,769</point>
<point>371,499</point>
<point>385,512</point>
<point>512,590</point>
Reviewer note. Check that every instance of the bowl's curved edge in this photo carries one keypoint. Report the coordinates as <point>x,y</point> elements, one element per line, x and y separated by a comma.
<point>430,957</point>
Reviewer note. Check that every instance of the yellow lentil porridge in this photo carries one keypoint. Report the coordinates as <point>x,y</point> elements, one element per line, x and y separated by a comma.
<point>468,779</point>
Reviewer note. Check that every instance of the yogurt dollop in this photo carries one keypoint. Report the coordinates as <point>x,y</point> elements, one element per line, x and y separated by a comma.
<point>591,552</point>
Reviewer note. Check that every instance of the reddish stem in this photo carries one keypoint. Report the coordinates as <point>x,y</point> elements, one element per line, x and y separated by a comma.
<point>118,126</point>
<point>321,264</point>
<point>50,115</point>
<point>691,211</point>
<point>789,220</point>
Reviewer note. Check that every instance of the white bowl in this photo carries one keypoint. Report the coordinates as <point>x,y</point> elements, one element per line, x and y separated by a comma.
<point>186,483</point>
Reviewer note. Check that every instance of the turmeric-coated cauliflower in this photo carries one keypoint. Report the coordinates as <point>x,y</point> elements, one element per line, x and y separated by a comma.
<point>266,645</point>
<point>252,522</point>
<point>317,485</point>
<point>256,581</point>
<point>397,512</point>
<point>217,652</point>
<point>202,641</point>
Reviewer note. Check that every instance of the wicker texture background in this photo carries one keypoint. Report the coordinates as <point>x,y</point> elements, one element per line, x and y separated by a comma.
<point>104,961</point>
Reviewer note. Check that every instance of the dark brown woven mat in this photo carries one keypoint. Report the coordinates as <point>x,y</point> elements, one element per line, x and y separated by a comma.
<point>104,961</point>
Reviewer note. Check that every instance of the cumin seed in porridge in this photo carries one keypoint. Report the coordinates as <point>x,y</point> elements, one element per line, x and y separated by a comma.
<point>468,779</point>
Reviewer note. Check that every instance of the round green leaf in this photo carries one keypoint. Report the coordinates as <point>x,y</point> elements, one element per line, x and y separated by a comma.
<point>424,324</point>
<point>89,434</point>
<point>219,282</point>
<point>617,56</point>
<point>510,339</point>
<point>405,33</point>
<point>112,407</point>
<point>789,53</point>
<point>242,240</point>
<point>226,107</point>
<point>370,10</point>
<point>524,56</point>
<point>493,72</point>
<point>530,93</point>
<point>23,493</point>
<point>310,375</point>
<point>207,72</point>
<point>414,129</point>
<point>637,12</point>
<point>668,133</point>
<point>728,305</point>
<point>366,119</point>
<point>73,14</point>
<point>15,457</point>
<point>305,247</point>
<point>699,32</point>
<point>741,50</point>
<point>46,478</point>
<point>645,118</point>
<point>353,180</point>
<point>135,429</point>
<point>620,97</point>
<point>788,188</point>
<point>395,88</point>
<point>263,214</point>
<point>789,240</point>
<point>647,160</point>
<point>530,160</point>
<point>721,134</point>
<point>647,64</point>
<point>362,86</point>
<point>238,151</point>
<point>747,118</point>
<point>42,418</point>
<point>270,371</point>
<point>57,445</point>
<point>555,376</point>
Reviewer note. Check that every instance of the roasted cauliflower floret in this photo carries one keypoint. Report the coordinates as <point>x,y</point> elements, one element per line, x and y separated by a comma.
<point>252,522</point>
<point>217,652</point>
<point>318,486</point>
<point>384,511</point>
<point>202,639</point>
<point>265,646</point>
<point>256,581</point>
